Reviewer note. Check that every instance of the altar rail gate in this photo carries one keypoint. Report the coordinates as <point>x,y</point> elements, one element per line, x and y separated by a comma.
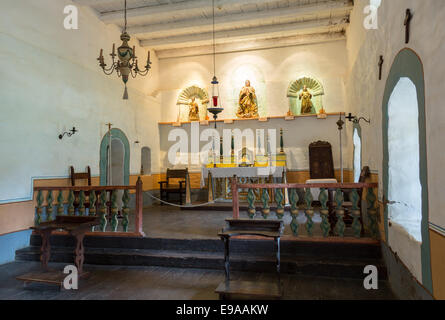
<point>334,211</point>
<point>102,201</point>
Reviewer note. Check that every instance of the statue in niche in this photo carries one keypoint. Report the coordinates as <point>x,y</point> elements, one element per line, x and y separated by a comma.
<point>193,103</point>
<point>305,97</point>
<point>247,102</point>
<point>306,102</point>
<point>194,110</point>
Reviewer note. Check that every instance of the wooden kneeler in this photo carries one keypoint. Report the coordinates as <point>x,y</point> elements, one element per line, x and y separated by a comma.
<point>250,289</point>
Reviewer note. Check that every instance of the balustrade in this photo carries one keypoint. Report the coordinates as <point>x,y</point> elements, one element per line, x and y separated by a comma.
<point>101,201</point>
<point>335,216</point>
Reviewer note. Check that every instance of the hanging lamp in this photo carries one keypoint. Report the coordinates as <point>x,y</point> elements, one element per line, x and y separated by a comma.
<point>215,108</point>
<point>127,62</point>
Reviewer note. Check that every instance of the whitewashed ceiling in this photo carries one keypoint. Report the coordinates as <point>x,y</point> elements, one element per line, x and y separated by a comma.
<point>169,25</point>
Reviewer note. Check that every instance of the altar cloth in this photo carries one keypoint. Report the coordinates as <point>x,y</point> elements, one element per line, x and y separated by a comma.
<point>242,172</point>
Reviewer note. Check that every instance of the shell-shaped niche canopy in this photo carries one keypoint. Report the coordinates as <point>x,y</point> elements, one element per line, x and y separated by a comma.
<point>315,87</point>
<point>193,92</point>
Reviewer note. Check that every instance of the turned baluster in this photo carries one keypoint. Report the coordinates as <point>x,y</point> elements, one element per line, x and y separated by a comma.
<point>92,207</point>
<point>71,203</point>
<point>265,200</point>
<point>114,220</point>
<point>49,206</point>
<point>355,213</point>
<point>340,213</point>
<point>324,212</point>
<point>293,198</point>
<point>125,210</point>
<point>82,203</point>
<point>60,206</point>
<point>372,213</point>
<point>279,199</point>
<point>309,211</point>
<point>251,201</point>
<point>93,199</point>
<point>39,208</point>
<point>103,210</point>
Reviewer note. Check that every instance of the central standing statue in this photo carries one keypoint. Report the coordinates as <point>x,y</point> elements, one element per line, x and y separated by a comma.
<point>247,102</point>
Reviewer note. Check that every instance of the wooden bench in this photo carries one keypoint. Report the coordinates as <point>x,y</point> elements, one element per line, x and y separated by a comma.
<point>256,290</point>
<point>166,187</point>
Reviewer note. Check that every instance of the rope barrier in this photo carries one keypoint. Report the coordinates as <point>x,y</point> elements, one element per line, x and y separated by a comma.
<point>177,205</point>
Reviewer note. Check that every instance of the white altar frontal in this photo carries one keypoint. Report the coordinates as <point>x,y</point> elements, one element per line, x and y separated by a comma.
<point>218,179</point>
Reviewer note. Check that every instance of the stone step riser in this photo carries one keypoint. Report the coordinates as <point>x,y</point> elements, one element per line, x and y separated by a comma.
<point>293,248</point>
<point>311,268</point>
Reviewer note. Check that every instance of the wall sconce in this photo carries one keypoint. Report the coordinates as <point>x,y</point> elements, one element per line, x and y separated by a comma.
<point>354,119</point>
<point>69,134</point>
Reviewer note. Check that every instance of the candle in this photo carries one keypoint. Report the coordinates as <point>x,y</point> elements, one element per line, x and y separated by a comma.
<point>113,50</point>
<point>100,54</point>
<point>148,58</point>
<point>134,52</point>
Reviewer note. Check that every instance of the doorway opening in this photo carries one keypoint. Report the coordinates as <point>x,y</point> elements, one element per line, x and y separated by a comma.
<point>404,187</point>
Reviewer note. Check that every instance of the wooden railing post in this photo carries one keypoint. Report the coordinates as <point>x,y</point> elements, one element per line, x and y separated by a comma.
<point>235,200</point>
<point>139,208</point>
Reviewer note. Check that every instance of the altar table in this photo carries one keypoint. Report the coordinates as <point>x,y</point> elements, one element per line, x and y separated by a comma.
<point>217,175</point>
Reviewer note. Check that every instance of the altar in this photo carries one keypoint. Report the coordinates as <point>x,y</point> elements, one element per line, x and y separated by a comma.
<point>218,179</point>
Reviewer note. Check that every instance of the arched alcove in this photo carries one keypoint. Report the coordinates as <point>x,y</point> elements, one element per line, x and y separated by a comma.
<point>145,160</point>
<point>296,87</point>
<point>185,97</point>
<point>122,141</point>
<point>405,165</point>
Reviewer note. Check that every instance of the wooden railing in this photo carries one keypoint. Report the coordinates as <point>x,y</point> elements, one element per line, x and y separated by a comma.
<point>331,205</point>
<point>99,201</point>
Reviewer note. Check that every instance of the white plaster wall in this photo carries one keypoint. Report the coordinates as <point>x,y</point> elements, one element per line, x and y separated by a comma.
<point>297,136</point>
<point>50,81</point>
<point>270,72</point>
<point>365,93</point>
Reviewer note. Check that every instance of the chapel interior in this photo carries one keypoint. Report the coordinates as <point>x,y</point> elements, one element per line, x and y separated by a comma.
<point>222,149</point>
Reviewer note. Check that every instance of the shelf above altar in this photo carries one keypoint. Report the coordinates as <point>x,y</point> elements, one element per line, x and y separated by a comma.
<point>264,119</point>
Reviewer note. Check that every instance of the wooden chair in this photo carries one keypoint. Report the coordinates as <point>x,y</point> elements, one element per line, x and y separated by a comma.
<point>80,176</point>
<point>166,187</point>
<point>321,162</point>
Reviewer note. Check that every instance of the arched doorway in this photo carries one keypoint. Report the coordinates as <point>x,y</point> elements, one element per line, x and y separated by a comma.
<point>146,160</point>
<point>115,169</point>
<point>118,171</point>
<point>405,185</point>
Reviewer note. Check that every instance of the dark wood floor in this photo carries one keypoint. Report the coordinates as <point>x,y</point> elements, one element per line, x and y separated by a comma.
<point>153,283</point>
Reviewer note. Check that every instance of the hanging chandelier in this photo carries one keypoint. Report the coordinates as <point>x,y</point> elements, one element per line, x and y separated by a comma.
<point>215,108</point>
<point>127,63</point>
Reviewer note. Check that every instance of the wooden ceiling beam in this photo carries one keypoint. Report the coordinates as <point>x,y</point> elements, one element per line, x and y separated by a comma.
<point>263,32</point>
<point>252,45</point>
<point>335,9</point>
<point>176,8</point>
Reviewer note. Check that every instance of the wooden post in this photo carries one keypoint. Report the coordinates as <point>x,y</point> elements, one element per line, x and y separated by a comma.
<point>235,200</point>
<point>188,197</point>
<point>139,208</point>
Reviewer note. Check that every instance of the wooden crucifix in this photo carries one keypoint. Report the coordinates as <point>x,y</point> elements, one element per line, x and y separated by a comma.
<point>407,23</point>
<point>380,67</point>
